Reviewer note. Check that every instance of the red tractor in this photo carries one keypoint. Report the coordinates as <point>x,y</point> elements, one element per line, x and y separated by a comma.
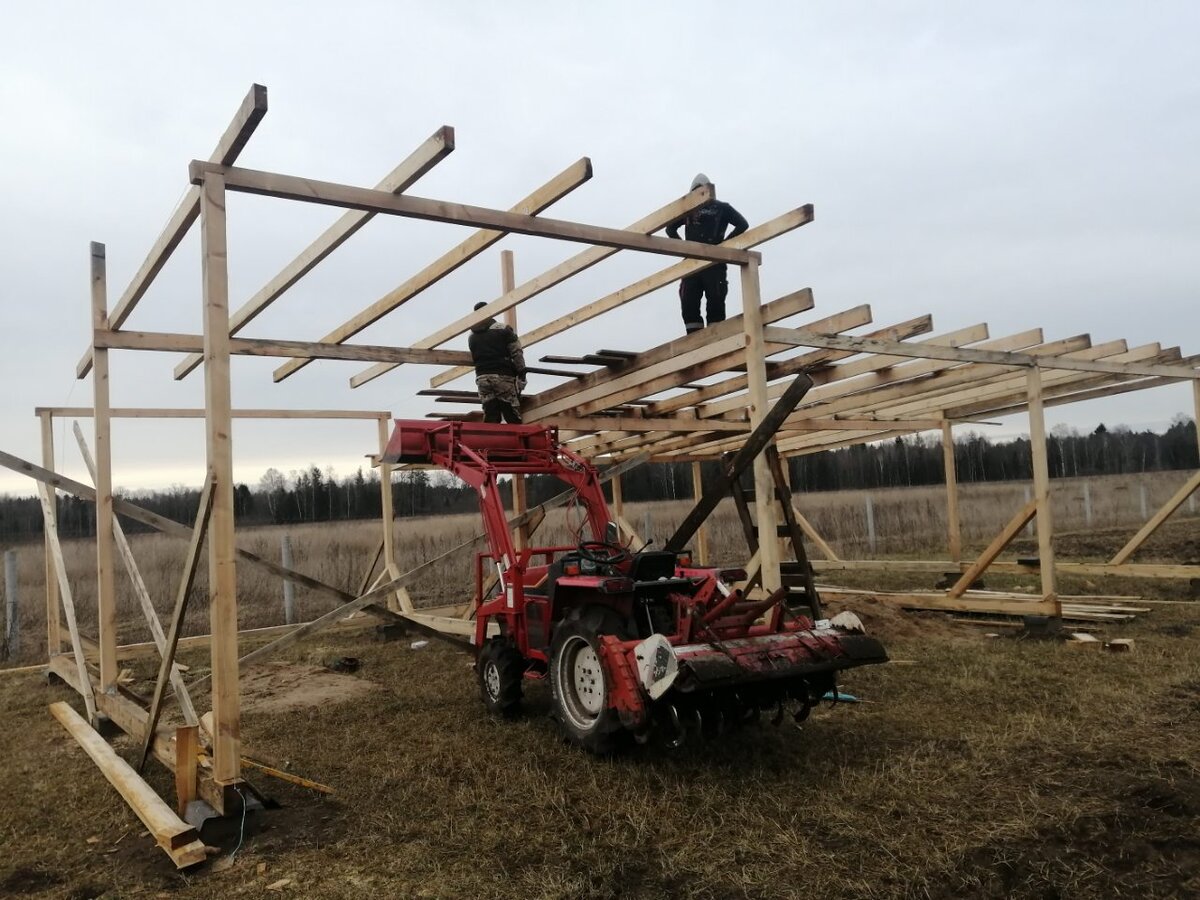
<point>632,642</point>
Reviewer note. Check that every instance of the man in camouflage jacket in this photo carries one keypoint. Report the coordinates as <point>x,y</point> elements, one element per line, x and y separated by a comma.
<point>499,369</point>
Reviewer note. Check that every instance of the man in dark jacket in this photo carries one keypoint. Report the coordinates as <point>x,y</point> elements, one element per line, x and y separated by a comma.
<point>708,225</point>
<point>499,369</point>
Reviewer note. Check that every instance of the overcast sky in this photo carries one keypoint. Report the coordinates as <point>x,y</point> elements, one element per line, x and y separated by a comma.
<point>1023,164</point>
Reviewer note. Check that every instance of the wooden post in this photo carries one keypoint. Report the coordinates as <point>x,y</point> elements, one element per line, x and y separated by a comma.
<point>106,591</point>
<point>508,282</point>
<point>12,609</point>
<point>1041,485</point>
<point>702,533</point>
<point>387,511</point>
<point>1031,527</point>
<point>1196,411</point>
<point>1087,504</point>
<point>1142,497</point>
<point>870,507</point>
<point>222,574</point>
<point>756,377</point>
<point>953,528</point>
<point>289,589</point>
<point>618,498</point>
<point>53,622</point>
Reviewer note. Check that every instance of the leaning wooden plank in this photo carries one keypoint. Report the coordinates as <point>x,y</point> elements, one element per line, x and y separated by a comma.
<point>754,445</point>
<point>64,587</point>
<point>560,273</point>
<point>1156,520</point>
<point>419,162</point>
<point>540,199</point>
<point>140,591</point>
<point>309,190</point>
<point>229,147</point>
<point>759,234</point>
<point>187,579</point>
<point>995,548</point>
<point>170,832</point>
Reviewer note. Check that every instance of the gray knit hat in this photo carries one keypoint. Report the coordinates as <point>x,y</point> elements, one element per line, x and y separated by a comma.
<point>699,180</point>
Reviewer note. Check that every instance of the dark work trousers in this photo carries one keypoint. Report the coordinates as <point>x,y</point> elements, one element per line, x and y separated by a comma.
<point>495,409</point>
<point>711,283</point>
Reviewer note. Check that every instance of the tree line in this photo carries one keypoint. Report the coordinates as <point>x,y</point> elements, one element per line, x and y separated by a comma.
<point>316,495</point>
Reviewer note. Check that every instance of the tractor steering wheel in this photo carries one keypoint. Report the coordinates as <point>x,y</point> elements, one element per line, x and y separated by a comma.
<point>603,553</point>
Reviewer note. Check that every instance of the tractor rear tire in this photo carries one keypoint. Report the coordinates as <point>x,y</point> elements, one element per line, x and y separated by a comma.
<point>577,682</point>
<point>501,672</point>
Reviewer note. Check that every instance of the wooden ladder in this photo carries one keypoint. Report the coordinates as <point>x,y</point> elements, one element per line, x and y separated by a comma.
<point>796,574</point>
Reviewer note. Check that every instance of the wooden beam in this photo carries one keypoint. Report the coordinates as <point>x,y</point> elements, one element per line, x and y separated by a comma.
<point>702,553</point>
<point>543,197</point>
<point>634,423</point>
<point>995,548</point>
<point>176,343</point>
<point>143,595</point>
<point>309,190</point>
<point>812,534</point>
<point>106,591</point>
<point>176,837</point>
<point>191,562</point>
<point>756,370</point>
<point>53,621</point>
<point>757,235</point>
<point>386,512</point>
<point>222,576</point>
<point>419,162</point>
<point>229,147</point>
<point>511,298</point>
<point>50,519</point>
<point>1041,484</point>
<point>127,412</point>
<point>802,338</point>
<point>953,529</point>
<point>1156,520</point>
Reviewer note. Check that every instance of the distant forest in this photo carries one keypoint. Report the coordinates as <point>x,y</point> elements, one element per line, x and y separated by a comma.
<point>316,495</point>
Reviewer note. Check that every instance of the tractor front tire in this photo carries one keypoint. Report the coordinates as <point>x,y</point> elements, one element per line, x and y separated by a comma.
<point>501,671</point>
<point>577,681</point>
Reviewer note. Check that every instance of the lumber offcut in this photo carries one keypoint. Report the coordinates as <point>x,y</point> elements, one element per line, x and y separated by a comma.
<point>176,837</point>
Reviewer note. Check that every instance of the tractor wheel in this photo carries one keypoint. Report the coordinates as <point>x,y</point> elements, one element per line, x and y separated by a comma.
<point>501,670</point>
<point>577,681</point>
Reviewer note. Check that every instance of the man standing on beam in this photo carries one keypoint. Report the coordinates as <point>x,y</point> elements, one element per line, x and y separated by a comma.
<point>707,224</point>
<point>499,369</point>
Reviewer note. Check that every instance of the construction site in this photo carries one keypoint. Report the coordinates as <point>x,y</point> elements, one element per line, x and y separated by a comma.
<point>691,639</point>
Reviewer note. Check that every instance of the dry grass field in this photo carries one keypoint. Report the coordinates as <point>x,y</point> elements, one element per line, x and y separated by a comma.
<point>976,767</point>
<point>909,522</point>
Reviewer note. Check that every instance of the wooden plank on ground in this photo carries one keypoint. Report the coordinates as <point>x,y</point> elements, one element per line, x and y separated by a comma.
<point>176,837</point>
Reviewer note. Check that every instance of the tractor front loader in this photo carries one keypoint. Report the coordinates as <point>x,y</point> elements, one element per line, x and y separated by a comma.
<point>633,643</point>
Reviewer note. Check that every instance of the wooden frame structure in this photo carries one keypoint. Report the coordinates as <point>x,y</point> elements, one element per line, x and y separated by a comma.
<point>691,399</point>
